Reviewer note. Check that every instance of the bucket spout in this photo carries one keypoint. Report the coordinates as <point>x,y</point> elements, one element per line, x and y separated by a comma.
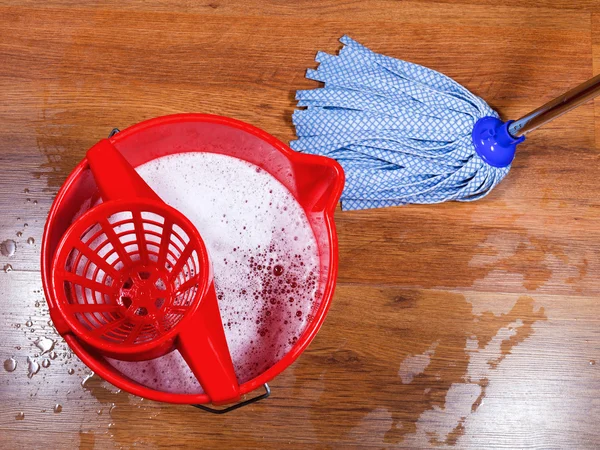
<point>319,183</point>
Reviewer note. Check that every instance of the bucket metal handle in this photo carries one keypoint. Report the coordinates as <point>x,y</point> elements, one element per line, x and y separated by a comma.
<point>237,405</point>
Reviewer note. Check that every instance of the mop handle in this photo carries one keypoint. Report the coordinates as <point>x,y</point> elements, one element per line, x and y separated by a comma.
<point>555,108</point>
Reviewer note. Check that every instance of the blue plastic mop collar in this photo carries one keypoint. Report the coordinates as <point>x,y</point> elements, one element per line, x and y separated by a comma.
<point>493,142</point>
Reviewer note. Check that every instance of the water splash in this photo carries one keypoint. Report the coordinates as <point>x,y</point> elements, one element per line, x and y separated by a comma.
<point>45,344</point>
<point>32,367</point>
<point>86,379</point>
<point>10,364</point>
<point>8,247</point>
<point>415,365</point>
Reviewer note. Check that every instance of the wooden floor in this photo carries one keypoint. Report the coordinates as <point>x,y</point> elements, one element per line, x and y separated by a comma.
<point>466,325</point>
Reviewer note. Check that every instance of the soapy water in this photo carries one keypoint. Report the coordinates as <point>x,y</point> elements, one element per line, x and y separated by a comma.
<point>264,256</point>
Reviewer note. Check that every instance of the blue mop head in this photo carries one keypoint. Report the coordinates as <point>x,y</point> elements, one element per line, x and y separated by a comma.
<point>402,132</point>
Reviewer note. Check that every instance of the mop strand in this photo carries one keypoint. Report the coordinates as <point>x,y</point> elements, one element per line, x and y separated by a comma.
<point>402,132</point>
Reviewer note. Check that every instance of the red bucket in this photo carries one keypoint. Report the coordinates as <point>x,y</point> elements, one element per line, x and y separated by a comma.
<point>315,182</point>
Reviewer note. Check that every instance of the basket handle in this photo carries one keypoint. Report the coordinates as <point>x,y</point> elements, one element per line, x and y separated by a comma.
<point>115,177</point>
<point>203,345</point>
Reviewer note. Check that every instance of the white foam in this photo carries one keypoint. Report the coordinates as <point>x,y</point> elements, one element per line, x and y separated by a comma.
<point>253,228</point>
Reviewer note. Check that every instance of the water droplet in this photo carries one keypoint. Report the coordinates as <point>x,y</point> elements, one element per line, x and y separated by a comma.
<point>35,202</point>
<point>8,247</point>
<point>45,344</point>
<point>29,323</point>
<point>49,322</point>
<point>46,363</point>
<point>53,355</point>
<point>25,225</point>
<point>30,241</point>
<point>32,367</point>
<point>19,233</point>
<point>57,408</point>
<point>592,362</point>
<point>20,416</point>
<point>111,410</point>
<point>28,199</point>
<point>10,364</point>
<point>71,371</point>
<point>26,191</point>
<point>99,412</point>
<point>37,304</point>
<point>18,347</point>
<point>8,268</point>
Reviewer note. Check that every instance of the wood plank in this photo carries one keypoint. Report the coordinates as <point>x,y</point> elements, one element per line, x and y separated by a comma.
<point>432,9</point>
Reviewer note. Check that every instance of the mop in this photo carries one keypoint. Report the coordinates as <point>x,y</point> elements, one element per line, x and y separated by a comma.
<point>407,134</point>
